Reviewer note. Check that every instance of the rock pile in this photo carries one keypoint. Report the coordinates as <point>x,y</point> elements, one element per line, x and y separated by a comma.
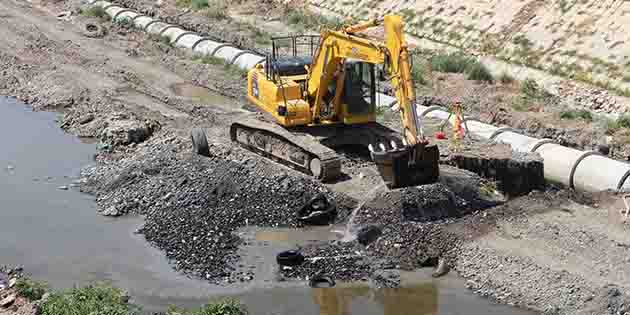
<point>193,204</point>
<point>592,98</point>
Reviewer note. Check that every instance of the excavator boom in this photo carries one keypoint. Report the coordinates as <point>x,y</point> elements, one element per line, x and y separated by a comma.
<point>413,163</point>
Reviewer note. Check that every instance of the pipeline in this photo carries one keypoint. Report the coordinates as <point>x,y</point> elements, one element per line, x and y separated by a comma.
<point>581,170</point>
<point>181,38</point>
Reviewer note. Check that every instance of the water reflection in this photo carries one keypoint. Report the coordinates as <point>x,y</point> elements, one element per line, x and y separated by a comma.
<point>416,300</point>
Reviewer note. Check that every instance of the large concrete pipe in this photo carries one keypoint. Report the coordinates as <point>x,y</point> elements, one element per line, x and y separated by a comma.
<point>574,168</point>
<point>595,172</point>
<point>518,141</point>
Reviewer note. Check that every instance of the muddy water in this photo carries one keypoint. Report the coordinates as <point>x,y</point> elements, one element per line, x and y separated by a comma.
<point>59,238</point>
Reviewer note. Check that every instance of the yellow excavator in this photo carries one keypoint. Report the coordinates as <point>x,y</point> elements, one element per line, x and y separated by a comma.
<point>320,93</point>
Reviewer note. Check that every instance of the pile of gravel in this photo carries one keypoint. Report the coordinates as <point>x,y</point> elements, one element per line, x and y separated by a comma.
<point>193,204</point>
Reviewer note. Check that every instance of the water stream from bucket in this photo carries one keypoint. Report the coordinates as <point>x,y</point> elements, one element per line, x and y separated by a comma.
<point>349,234</point>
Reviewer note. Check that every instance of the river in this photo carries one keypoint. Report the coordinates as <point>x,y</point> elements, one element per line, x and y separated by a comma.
<point>59,238</point>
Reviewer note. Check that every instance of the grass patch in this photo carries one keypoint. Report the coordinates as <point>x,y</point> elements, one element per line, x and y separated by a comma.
<point>211,60</point>
<point>506,78</point>
<point>530,89</point>
<point>304,19</point>
<point>196,4</point>
<point>124,23</point>
<point>161,39</point>
<point>31,289</point>
<point>217,9</point>
<point>478,72</point>
<point>459,63</point>
<point>613,125</point>
<point>232,70</point>
<point>222,307</point>
<point>93,300</point>
<point>577,114</point>
<point>94,11</point>
<point>450,63</point>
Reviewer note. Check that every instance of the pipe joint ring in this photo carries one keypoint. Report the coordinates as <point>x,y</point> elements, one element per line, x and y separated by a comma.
<point>133,19</point>
<point>502,130</point>
<point>146,27</point>
<point>431,109</point>
<point>216,49</point>
<point>168,28</point>
<point>540,144</point>
<point>182,35</point>
<point>199,42</point>
<point>240,54</point>
<point>623,180</point>
<point>110,6</point>
<point>577,162</point>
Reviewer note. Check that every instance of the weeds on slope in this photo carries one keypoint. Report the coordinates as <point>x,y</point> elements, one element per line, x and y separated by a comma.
<point>460,63</point>
<point>31,289</point>
<point>93,11</point>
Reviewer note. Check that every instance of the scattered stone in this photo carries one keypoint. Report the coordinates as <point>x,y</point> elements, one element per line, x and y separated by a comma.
<point>86,119</point>
<point>111,212</point>
<point>12,282</point>
<point>63,187</point>
<point>64,16</point>
<point>7,301</point>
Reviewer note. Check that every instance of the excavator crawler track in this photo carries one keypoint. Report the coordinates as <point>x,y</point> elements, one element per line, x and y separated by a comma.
<point>298,151</point>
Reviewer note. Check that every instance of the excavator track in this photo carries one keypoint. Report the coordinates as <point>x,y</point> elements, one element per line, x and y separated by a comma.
<point>298,151</point>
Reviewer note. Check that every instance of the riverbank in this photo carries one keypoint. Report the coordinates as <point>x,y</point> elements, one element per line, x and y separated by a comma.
<point>125,89</point>
<point>20,295</point>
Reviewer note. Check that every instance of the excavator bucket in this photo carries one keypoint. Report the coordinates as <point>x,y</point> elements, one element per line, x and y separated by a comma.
<point>408,166</point>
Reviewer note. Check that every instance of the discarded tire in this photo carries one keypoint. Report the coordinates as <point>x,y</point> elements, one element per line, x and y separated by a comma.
<point>200,142</point>
<point>93,30</point>
<point>317,211</point>
<point>368,234</point>
<point>321,281</point>
<point>290,258</point>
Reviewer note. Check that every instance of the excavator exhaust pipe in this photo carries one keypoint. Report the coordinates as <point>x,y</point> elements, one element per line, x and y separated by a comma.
<point>407,166</point>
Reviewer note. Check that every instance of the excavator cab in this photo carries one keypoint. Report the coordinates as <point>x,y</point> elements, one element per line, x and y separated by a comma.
<point>359,93</point>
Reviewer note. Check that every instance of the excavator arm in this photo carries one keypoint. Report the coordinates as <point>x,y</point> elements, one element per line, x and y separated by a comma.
<point>337,46</point>
<point>416,162</point>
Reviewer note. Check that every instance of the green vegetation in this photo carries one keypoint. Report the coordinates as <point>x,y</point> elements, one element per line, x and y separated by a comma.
<point>478,72</point>
<point>102,299</point>
<point>217,9</point>
<point>31,289</point>
<point>232,70</point>
<point>577,114</point>
<point>161,39</point>
<point>93,11</point>
<point>124,23</point>
<point>223,307</point>
<point>530,89</point>
<point>197,4</point>
<point>211,60</point>
<point>94,300</point>
<point>506,78</point>
<point>450,63</point>
<point>622,122</point>
<point>306,20</point>
<point>459,63</point>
